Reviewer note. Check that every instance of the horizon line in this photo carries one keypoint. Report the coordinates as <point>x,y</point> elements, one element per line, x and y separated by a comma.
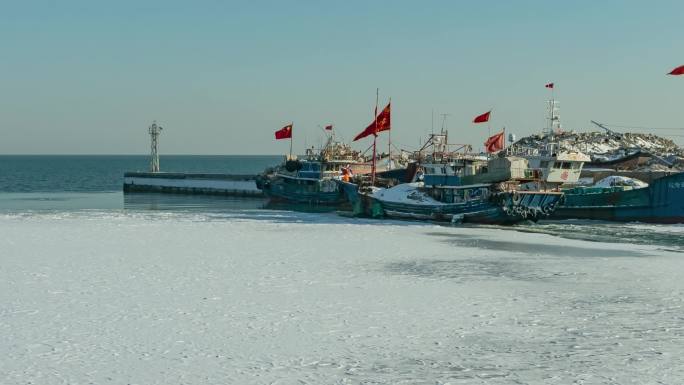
<point>161,155</point>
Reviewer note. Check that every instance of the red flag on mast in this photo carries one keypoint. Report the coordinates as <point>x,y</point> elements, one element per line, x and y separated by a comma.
<point>284,133</point>
<point>329,127</point>
<point>383,121</point>
<point>550,85</point>
<point>495,142</point>
<point>482,118</point>
<point>677,71</point>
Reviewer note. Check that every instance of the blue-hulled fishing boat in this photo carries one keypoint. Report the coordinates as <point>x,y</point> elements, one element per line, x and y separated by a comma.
<point>312,179</point>
<point>660,202</point>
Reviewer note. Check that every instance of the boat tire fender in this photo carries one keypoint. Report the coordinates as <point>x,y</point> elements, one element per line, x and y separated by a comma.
<point>516,197</point>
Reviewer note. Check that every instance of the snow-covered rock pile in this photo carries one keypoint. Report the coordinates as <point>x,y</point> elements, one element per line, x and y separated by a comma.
<point>617,180</point>
<point>604,147</point>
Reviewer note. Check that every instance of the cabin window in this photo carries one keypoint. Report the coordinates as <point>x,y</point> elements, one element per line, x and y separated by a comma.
<point>557,164</point>
<point>576,165</point>
<point>566,165</point>
<point>316,167</point>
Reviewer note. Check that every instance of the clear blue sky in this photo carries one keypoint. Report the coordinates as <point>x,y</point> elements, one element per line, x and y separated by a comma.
<point>221,77</point>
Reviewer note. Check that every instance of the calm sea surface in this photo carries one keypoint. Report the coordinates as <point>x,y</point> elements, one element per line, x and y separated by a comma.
<point>78,182</point>
<point>86,173</point>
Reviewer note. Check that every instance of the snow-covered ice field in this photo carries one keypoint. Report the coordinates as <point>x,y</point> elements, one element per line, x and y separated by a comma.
<point>108,297</point>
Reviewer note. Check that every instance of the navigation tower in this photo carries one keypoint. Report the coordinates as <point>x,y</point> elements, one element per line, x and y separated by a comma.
<point>154,130</point>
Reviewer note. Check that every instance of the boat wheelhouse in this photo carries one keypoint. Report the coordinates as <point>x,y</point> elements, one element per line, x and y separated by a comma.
<point>561,168</point>
<point>549,167</point>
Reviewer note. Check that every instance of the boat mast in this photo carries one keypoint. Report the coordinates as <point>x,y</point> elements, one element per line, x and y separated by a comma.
<point>375,135</point>
<point>389,145</point>
<point>554,118</point>
<point>445,134</point>
<point>291,125</point>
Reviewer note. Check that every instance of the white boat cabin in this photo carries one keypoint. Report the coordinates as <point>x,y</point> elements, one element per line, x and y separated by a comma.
<point>565,167</point>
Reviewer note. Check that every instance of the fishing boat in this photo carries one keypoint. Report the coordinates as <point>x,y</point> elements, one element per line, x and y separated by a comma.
<point>661,201</point>
<point>461,187</point>
<point>452,193</point>
<point>311,179</point>
<point>613,198</point>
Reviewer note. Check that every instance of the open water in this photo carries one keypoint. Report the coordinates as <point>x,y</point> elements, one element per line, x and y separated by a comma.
<point>86,182</point>
<point>104,173</point>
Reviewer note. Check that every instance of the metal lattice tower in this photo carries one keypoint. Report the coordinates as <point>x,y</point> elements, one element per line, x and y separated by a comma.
<point>554,124</point>
<point>154,130</point>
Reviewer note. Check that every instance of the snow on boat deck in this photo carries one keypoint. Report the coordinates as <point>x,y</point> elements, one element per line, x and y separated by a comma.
<point>281,298</point>
<point>407,193</point>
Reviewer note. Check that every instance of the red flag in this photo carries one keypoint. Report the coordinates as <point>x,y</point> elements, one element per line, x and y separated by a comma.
<point>482,118</point>
<point>328,127</point>
<point>495,143</point>
<point>550,85</point>
<point>381,123</point>
<point>677,71</point>
<point>284,133</point>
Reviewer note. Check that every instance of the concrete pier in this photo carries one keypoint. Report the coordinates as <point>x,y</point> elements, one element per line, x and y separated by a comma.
<point>191,183</point>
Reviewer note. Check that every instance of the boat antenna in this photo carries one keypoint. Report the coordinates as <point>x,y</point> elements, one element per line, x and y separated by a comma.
<point>444,122</point>
<point>445,132</point>
<point>432,122</point>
